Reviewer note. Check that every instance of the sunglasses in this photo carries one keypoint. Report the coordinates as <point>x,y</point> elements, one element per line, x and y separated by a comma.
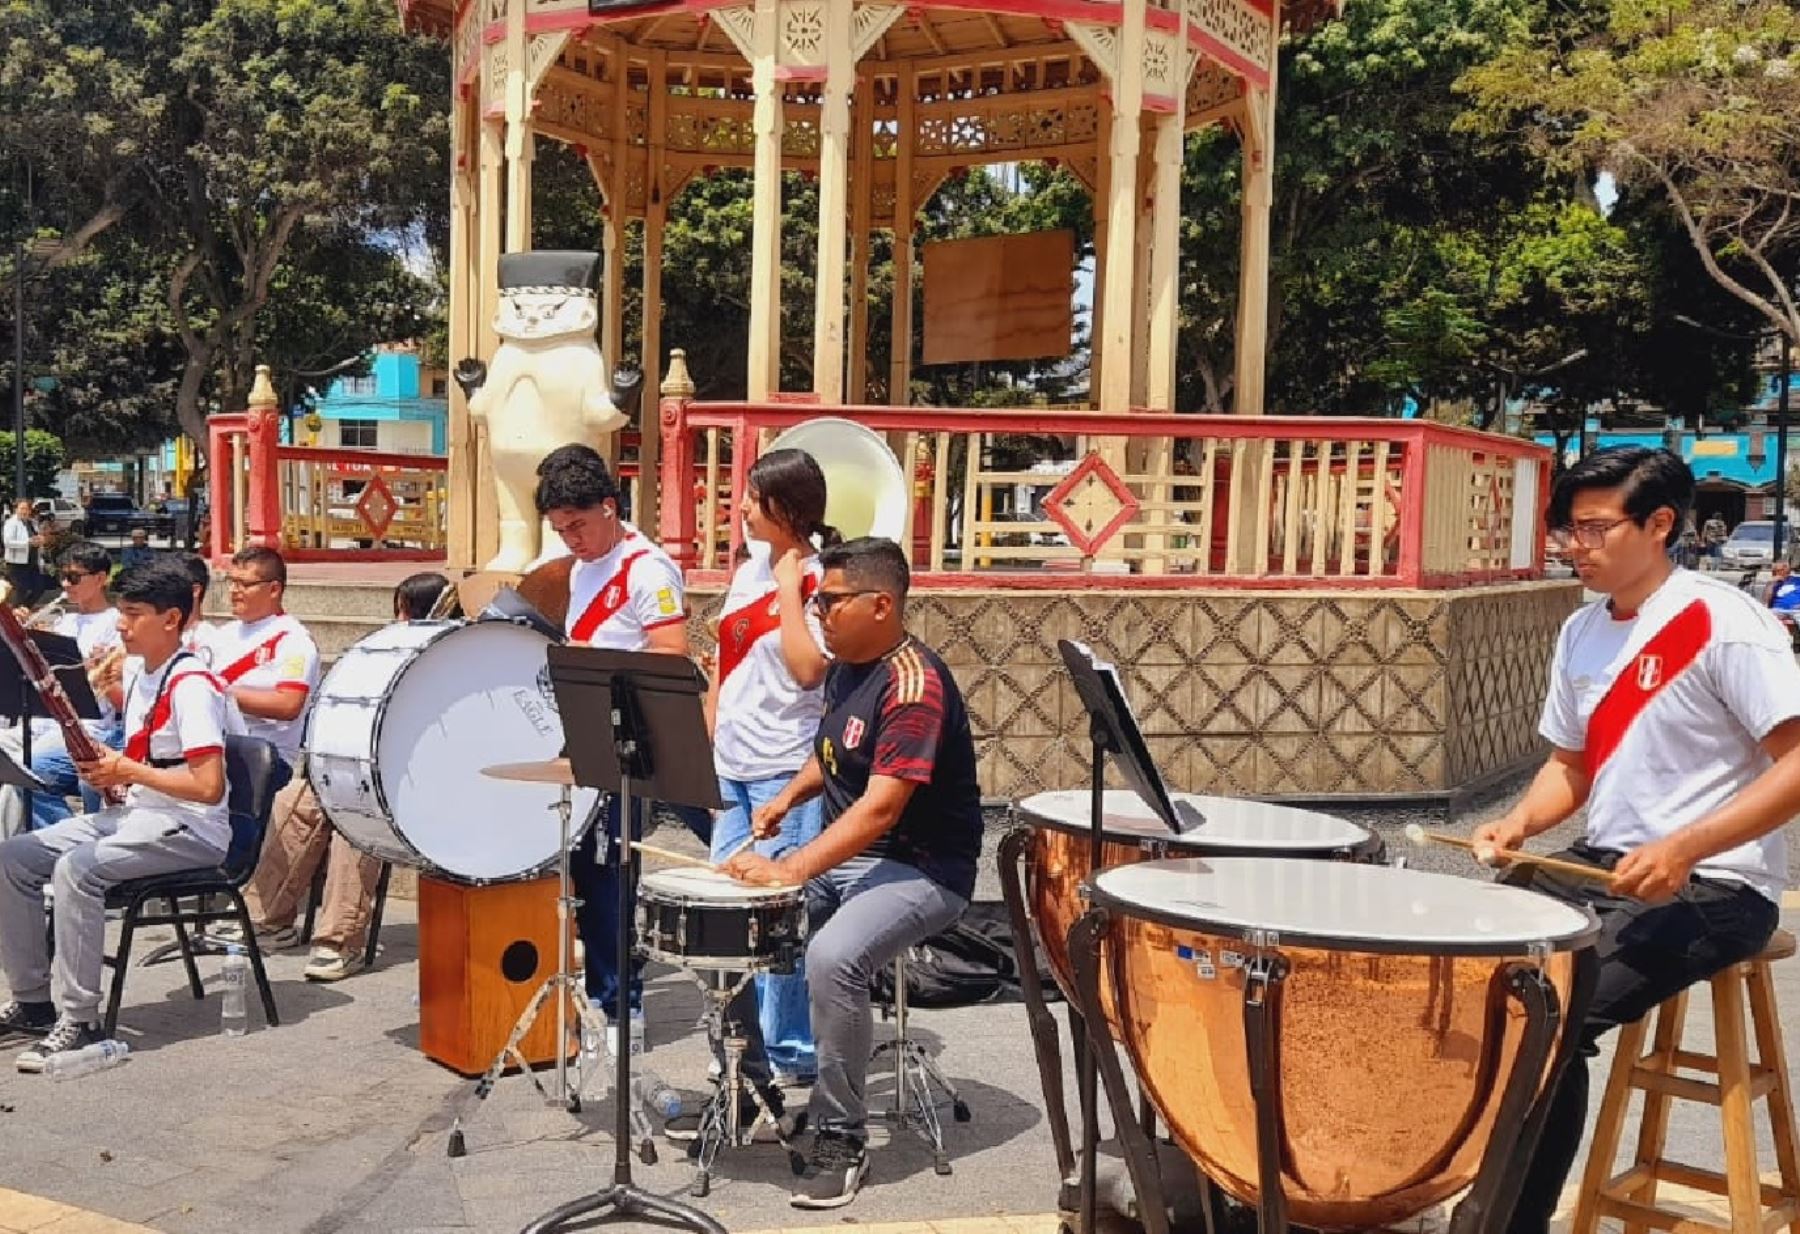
<point>75,576</point>
<point>825,601</point>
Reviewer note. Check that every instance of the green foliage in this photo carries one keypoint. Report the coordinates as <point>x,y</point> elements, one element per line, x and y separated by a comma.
<point>43,459</point>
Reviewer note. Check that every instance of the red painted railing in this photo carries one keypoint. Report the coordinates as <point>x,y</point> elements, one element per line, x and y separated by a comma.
<point>1151,499</point>
<point>321,504</point>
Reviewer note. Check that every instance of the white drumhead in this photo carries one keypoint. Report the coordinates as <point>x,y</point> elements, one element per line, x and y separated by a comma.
<point>475,695</point>
<point>1338,900</point>
<point>1230,821</point>
<point>693,883</point>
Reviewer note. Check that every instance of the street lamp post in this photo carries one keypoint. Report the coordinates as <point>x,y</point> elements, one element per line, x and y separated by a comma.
<point>19,493</point>
<point>1781,420</point>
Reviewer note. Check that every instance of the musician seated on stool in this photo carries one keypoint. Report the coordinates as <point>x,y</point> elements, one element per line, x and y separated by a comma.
<point>173,818</point>
<point>93,623</point>
<point>894,761</point>
<point>1674,710</point>
<point>301,837</point>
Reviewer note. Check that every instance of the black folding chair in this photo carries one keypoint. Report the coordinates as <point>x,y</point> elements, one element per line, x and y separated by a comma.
<point>251,765</point>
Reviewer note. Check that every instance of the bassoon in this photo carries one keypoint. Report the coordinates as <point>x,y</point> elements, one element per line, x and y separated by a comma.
<point>77,740</point>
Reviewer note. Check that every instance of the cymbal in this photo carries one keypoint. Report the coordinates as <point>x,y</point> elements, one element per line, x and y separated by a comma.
<point>551,771</point>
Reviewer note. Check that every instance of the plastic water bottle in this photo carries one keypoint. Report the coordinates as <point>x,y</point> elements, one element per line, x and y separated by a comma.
<point>638,1036</point>
<point>96,1057</point>
<point>652,1092</point>
<point>233,1019</point>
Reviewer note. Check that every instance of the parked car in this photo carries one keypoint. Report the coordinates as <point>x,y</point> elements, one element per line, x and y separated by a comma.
<point>116,514</point>
<point>1750,546</point>
<point>67,513</point>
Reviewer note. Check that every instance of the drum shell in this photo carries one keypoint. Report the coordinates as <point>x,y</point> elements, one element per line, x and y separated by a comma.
<point>767,935</point>
<point>1059,860</point>
<point>1389,1065</point>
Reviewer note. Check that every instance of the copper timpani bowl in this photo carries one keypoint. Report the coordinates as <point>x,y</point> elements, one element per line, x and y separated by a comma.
<point>1394,1037</point>
<point>1058,860</point>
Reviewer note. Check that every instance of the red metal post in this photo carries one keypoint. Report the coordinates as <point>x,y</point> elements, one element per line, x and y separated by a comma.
<point>262,435</point>
<point>221,461</point>
<point>677,519</point>
<point>1412,509</point>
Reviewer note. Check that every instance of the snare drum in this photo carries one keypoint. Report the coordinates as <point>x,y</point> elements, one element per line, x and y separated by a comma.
<point>1058,861</point>
<point>702,919</point>
<point>1394,1034</point>
<point>404,723</point>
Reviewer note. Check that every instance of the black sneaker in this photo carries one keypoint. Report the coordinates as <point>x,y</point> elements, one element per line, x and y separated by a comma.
<point>685,1127</point>
<point>834,1172</point>
<point>67,1035</point>
<point>27,1019</point>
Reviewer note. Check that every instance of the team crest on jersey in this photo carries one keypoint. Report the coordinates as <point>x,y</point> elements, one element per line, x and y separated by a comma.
<point>853,732</point>
<point>740,632</point>
<point>264,654</point>
<point>1649,672</point>
<point>612,596</point>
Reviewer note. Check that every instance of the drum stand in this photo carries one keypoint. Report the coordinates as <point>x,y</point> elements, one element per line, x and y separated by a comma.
<point>1485,1208</point>
<point>720,1120</point>
<point>567,986</point>
<point>915,1071</point>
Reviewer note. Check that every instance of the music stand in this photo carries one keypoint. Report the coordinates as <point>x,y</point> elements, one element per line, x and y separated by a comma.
<point>642,732</point>
<point>20,700</point>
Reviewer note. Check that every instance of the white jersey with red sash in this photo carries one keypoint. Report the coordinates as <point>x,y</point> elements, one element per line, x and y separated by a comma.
<point>616,600</point>
<point>179,712</point>
<point>1669,706</point>
<point>766,721</point>
<point>274,653</point>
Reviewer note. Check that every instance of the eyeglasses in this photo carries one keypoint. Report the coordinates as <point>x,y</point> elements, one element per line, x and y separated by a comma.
<point>825,601</point>
<point>245,584</point>
<point>1587,535</point>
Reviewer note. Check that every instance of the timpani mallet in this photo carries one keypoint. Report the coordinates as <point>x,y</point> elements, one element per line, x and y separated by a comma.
<point>1492,856</point>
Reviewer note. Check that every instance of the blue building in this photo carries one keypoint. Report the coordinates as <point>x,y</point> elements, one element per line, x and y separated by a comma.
<point>401,407</point>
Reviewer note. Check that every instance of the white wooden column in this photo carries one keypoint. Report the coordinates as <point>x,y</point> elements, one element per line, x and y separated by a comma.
<point>1102,249</point>
<point>465,301</point>
<point>834,203</point>
<point>1165,244</point>
<point>1259,195</point>
<point>1122,210</point>
<point>518,131</point>
<point>900,359</point>
<point>764,377</point>
<point>656,215</point>
<point>487,222</point>
<point>862,209</point>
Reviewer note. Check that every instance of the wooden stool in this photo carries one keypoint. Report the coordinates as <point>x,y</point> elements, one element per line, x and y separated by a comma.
<point>1631,1196</point>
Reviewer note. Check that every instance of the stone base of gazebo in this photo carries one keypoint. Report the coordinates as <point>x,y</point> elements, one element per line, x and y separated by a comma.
<point>1309,694</point>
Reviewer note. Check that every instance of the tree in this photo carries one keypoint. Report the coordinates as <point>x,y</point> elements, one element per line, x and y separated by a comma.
<point>43,459</point>
<point>1698,98</point>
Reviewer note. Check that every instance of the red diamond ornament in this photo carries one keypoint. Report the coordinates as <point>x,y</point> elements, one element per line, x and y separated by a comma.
<point>376,506</point>
<point>1091,504</point>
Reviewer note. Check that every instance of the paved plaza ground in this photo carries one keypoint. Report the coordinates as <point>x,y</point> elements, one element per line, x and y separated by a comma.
<point>336,1122</point>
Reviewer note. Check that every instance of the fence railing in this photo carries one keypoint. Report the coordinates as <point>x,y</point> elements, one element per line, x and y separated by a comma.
<point>1148,499</point>
<point>321,505</point>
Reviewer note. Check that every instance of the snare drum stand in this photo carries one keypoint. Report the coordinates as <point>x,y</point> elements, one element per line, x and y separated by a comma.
<point>720,1121</point>
<point>568,988</point>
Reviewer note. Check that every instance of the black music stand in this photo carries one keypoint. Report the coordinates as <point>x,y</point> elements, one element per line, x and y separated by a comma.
<point>1113,729</point>
<point>19,699</point>
<point>636,728</point>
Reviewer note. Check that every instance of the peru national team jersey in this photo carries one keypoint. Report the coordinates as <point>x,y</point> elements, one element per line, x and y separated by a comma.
<point>273,653</point>
<point>1669,707</point>
<point>617,599</point>
<point>902,716</point>
<point>179,713</point>
<point>766,721</point>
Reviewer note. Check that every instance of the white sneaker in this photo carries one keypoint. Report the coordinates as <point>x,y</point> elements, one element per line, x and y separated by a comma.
<point>268,938</point>
<point>330,964</point>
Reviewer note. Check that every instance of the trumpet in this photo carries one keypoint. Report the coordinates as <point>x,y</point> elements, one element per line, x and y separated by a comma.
<point>445,604</point>
<point>103,669</point>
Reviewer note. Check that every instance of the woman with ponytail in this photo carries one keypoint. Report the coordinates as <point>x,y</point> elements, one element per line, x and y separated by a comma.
<point>770,664</point>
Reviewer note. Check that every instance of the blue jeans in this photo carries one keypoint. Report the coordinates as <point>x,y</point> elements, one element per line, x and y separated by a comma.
<point>50,762</point>
<point>783,1009</point>
<point>596,882</point>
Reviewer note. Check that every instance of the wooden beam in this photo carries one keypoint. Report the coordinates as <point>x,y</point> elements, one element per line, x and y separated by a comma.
<point>862,212</point>
<point>834,204</point>
<point>905,208</point>
<point>465,301</point>
<point>931,35</point>
<point>765,243</point>
<point>518,131</point>
<point>656,213</point>
<point>487,221</point>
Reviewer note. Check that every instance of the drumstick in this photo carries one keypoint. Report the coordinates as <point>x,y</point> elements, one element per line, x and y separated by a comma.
<point>748,841</point>
<point>671,856</point>
<point>1489,855</point>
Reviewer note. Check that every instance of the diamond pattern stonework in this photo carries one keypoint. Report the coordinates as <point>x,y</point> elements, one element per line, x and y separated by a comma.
<point>1091,504</point>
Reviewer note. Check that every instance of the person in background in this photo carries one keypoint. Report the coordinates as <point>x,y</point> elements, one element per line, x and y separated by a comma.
<point>20,537</point>
<point>1713,535</point>
<point>301,837</point>
<point>268,660</point>
<point>138,552</point>
<point>1784,589</point>
<point>94,625</point>
<point>766,703</point>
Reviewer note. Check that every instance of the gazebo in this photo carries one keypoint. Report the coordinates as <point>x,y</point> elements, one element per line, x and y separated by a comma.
<point>881,102</point>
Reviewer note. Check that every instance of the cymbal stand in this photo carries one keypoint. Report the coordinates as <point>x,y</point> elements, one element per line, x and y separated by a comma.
<point>567,986</point>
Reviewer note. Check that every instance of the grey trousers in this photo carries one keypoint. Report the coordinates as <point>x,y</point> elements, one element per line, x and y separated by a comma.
<point>83,857</point>
<point>861,916</point>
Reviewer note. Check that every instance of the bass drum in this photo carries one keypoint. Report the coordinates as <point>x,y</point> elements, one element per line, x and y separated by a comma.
<point>404,723</point>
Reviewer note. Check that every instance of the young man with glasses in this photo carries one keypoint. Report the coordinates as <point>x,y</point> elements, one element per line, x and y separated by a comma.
<point>894,762</point>
<point>93,623</point>
<point>1674,716</point>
